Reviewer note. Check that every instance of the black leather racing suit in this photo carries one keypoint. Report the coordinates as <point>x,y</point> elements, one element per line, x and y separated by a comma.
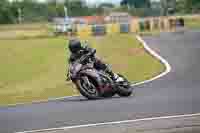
<point>98,64</point>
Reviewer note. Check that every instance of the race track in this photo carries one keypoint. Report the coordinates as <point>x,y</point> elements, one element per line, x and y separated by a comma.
<point>176,93</point>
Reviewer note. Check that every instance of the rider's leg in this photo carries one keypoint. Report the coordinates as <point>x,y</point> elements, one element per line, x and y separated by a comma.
<point>102,66</point>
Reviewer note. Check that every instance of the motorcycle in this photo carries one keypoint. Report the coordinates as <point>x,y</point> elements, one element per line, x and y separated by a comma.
<point>95,84</point>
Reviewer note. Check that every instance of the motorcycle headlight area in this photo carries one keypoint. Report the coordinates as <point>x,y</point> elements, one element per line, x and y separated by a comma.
<point>75,68</point>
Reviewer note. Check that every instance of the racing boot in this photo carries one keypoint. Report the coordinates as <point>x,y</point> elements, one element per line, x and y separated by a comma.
<point>113,76</point>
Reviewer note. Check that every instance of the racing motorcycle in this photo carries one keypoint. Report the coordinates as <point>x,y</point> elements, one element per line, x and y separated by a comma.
<point>95,84</point>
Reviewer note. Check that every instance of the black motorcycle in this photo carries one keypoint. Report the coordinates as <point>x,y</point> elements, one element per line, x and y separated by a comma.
<point>93,83</point>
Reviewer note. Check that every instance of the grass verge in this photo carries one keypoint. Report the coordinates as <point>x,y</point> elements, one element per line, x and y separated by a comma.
<point>193,23</point>
<point>35,69</point>
<point>25,31</point>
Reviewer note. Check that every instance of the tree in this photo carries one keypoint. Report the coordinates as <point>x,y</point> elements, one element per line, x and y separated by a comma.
<point>124,3</point>
<point>168,7</point>
<point>180,6</point>
<point>192,6</point>
<point>30,10</point>
<point>137,7</point>
<point>6,15</point>
<point>188,6</point>
<point>55,9</point>
<point>136,3</point>
<point>77,8</point>
<point>106,5</point>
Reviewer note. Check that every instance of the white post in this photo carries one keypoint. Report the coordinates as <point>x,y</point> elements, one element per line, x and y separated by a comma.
<point>66,11</point>
<point>19,15</point>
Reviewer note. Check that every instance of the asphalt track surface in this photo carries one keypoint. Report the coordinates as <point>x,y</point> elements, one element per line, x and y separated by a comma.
<point>186,124</point>
<point>176,93</point>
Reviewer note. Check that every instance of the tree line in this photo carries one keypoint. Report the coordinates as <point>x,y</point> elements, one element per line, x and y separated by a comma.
<point>164,7</point>
<point>32,11</point>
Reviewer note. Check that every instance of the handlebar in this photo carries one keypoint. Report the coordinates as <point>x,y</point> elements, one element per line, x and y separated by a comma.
<point>90,54</point>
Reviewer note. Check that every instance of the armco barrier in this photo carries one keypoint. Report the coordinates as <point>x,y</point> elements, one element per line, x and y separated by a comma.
<point>112,28</point>
<point>124,28</point>
<point>166,23</point>
<point>156,24</point>
<point>134,25</point>
<point>98,30</point>
<point>180,22</point>
<point>159,23</point>
<point>84,30</point>
<point>141,25</point>
<point>144,25</point>
<point>162,24</point>
<point>148,25</point>
<point>172,23</point>
<point>151,24</point>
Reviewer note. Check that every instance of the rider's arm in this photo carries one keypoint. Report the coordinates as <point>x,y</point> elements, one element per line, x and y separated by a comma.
<point>72,58</point>
<point>88,49</point>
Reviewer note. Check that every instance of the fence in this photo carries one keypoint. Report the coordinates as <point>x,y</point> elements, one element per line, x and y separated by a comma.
<point>136,25</point>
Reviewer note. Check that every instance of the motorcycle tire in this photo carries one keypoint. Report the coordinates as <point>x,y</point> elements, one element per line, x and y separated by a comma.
<point>85,90</point>
<point>124,90</point>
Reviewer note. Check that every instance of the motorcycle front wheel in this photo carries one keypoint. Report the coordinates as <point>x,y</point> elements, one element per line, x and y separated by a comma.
<point>87,87</point>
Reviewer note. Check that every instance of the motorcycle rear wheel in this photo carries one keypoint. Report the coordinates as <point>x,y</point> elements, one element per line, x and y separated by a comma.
<point>124,89</point>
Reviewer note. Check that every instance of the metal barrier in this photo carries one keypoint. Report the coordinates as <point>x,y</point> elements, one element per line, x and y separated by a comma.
<point>134,26</point>
<point>84,30</point>
<point>112,28</point>
<point>98,30</point>
<point>144,25</point>
<point>124,28</point>
<point>180,22</point>
<point>172,23</point>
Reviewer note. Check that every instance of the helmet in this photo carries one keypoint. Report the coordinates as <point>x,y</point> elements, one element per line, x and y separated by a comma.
<point>74,46</point>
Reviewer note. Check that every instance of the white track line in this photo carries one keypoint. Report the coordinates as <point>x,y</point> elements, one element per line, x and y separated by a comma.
<point>161,59</point>
<point>111,123</point>
<point>42,101</point>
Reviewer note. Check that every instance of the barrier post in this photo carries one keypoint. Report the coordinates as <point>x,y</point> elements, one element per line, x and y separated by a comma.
<point>166,23</point>
<point>152,24</point>
<point>124,28</point>
<point>113,28</point>
<point>147,25</point>
<point>134,26</point>
<point>84,30</point>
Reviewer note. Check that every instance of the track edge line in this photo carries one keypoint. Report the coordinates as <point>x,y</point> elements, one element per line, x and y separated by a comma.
<point>112,123</point>
<point>160,58</point>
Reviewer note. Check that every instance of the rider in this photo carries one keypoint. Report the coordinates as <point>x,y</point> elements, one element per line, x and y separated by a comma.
<point>78,50</point>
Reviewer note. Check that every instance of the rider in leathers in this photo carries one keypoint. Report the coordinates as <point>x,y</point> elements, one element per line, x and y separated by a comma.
<point>77,50</point>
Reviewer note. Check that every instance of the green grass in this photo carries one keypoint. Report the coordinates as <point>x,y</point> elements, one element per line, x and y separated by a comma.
<point>193,23</point>
<point>25,31</point>
<point>28,26</point>
<point>35,69</point>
